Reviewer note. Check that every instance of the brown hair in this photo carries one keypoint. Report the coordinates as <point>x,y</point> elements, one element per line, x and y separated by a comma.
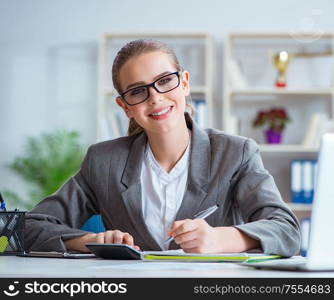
<point>133,49</point>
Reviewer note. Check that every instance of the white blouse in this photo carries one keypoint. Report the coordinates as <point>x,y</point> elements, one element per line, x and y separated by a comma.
<point>162,193</point>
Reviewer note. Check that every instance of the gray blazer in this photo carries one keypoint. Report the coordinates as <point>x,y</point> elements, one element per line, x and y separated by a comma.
<point>224,169</point>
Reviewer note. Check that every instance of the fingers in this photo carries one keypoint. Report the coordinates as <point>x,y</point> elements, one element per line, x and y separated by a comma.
<point>115,237</point>
<point>176,224</point>
<point>183,226</point>
<point>192,235</point>
<point>128,239</point>
<point>110,236</point>
<point>100,238</point>
<point>179,227</point>
<point>184,238</point>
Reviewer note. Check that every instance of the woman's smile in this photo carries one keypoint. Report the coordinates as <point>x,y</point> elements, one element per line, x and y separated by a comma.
<point>161,113</point>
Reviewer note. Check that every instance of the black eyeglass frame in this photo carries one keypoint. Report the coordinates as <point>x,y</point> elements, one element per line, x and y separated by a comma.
<point>147,86</point>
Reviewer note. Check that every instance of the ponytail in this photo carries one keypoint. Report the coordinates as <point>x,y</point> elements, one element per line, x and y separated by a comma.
<point>134,127</point>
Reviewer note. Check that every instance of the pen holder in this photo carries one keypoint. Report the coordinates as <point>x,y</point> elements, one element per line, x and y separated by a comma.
<point>12,226</point>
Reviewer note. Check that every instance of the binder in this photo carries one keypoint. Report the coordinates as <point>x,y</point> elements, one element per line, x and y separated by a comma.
<point>305,232</point>
<point>302,180</point>
<point>296,181</point>
<point>307,181</point>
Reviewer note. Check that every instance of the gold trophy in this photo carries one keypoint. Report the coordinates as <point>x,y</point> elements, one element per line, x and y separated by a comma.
<point>281,61</point>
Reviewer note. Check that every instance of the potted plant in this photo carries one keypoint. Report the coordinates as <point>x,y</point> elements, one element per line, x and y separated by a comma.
<point>274,120</point>
<point>48,161</point>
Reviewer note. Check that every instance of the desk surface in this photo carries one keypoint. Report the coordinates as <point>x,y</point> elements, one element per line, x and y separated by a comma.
<point>23,267</point>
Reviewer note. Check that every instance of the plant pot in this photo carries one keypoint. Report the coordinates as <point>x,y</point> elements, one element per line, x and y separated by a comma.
<point>273,137</point>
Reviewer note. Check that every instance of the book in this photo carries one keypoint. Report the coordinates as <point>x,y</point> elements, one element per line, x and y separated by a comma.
<point>122,251</point>
<point>238,80</point>
<point>316,127</point>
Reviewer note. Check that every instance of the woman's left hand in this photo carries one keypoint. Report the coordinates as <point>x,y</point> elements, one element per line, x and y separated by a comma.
<point>196,236</point>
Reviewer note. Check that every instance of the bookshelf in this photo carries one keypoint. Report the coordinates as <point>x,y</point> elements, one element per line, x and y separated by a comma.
<point>195,53</point>
<point>249,86</point>
<point>249,76</point>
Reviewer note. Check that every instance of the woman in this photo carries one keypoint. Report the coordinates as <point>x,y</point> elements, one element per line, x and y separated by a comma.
<point>149,185</point>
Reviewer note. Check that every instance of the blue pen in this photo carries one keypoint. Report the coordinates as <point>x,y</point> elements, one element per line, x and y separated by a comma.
<point>201,215</point>
<point>3,204</point>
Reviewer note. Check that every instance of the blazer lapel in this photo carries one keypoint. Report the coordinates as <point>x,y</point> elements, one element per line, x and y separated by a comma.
<point>132,194</point>
<point>198,176</point>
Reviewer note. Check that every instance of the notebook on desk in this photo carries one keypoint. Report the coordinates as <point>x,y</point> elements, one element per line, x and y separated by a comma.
<point>121,251</point>
<point>321,242</point>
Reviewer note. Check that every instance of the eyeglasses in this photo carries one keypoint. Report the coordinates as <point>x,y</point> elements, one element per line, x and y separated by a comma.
<point>162,85</point>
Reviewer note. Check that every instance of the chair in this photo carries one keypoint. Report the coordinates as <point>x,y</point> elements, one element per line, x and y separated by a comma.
<point>94,224</point>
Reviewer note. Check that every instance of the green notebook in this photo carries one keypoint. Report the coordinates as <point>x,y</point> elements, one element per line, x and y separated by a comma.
<point>118,251</point>
<point>220,257</point>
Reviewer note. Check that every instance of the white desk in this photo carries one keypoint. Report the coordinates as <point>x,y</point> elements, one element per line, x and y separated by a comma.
<point>24,267</point>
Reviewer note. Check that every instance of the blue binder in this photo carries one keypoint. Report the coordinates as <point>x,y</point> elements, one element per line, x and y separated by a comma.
<point>302,180</point>
<point>296,181</point>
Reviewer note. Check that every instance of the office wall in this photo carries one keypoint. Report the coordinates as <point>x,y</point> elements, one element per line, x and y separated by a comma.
<point>48,52</point>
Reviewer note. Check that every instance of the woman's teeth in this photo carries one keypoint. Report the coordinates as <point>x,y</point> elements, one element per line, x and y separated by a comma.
<point>161,112</point>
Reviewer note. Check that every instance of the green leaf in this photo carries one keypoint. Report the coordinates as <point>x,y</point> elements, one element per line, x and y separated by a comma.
<point>48,161</point>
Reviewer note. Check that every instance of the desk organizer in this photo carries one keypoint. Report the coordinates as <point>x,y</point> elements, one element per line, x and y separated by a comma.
<point>12,225</point>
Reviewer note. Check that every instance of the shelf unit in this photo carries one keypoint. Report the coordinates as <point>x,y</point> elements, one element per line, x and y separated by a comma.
<point>195,53</point>
<point>248,86</point>
<point>262,93</point>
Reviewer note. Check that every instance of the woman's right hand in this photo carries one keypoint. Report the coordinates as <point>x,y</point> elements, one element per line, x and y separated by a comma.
<point>110,236</point>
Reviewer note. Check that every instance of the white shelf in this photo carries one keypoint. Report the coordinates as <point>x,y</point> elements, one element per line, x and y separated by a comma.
<point>300,206</point>
<point>282,91</point>
<point>287,148</point>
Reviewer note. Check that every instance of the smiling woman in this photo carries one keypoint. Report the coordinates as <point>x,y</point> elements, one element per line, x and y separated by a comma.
<point>148,51</point>
<point>172,99</point>
<point>149,185</point>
